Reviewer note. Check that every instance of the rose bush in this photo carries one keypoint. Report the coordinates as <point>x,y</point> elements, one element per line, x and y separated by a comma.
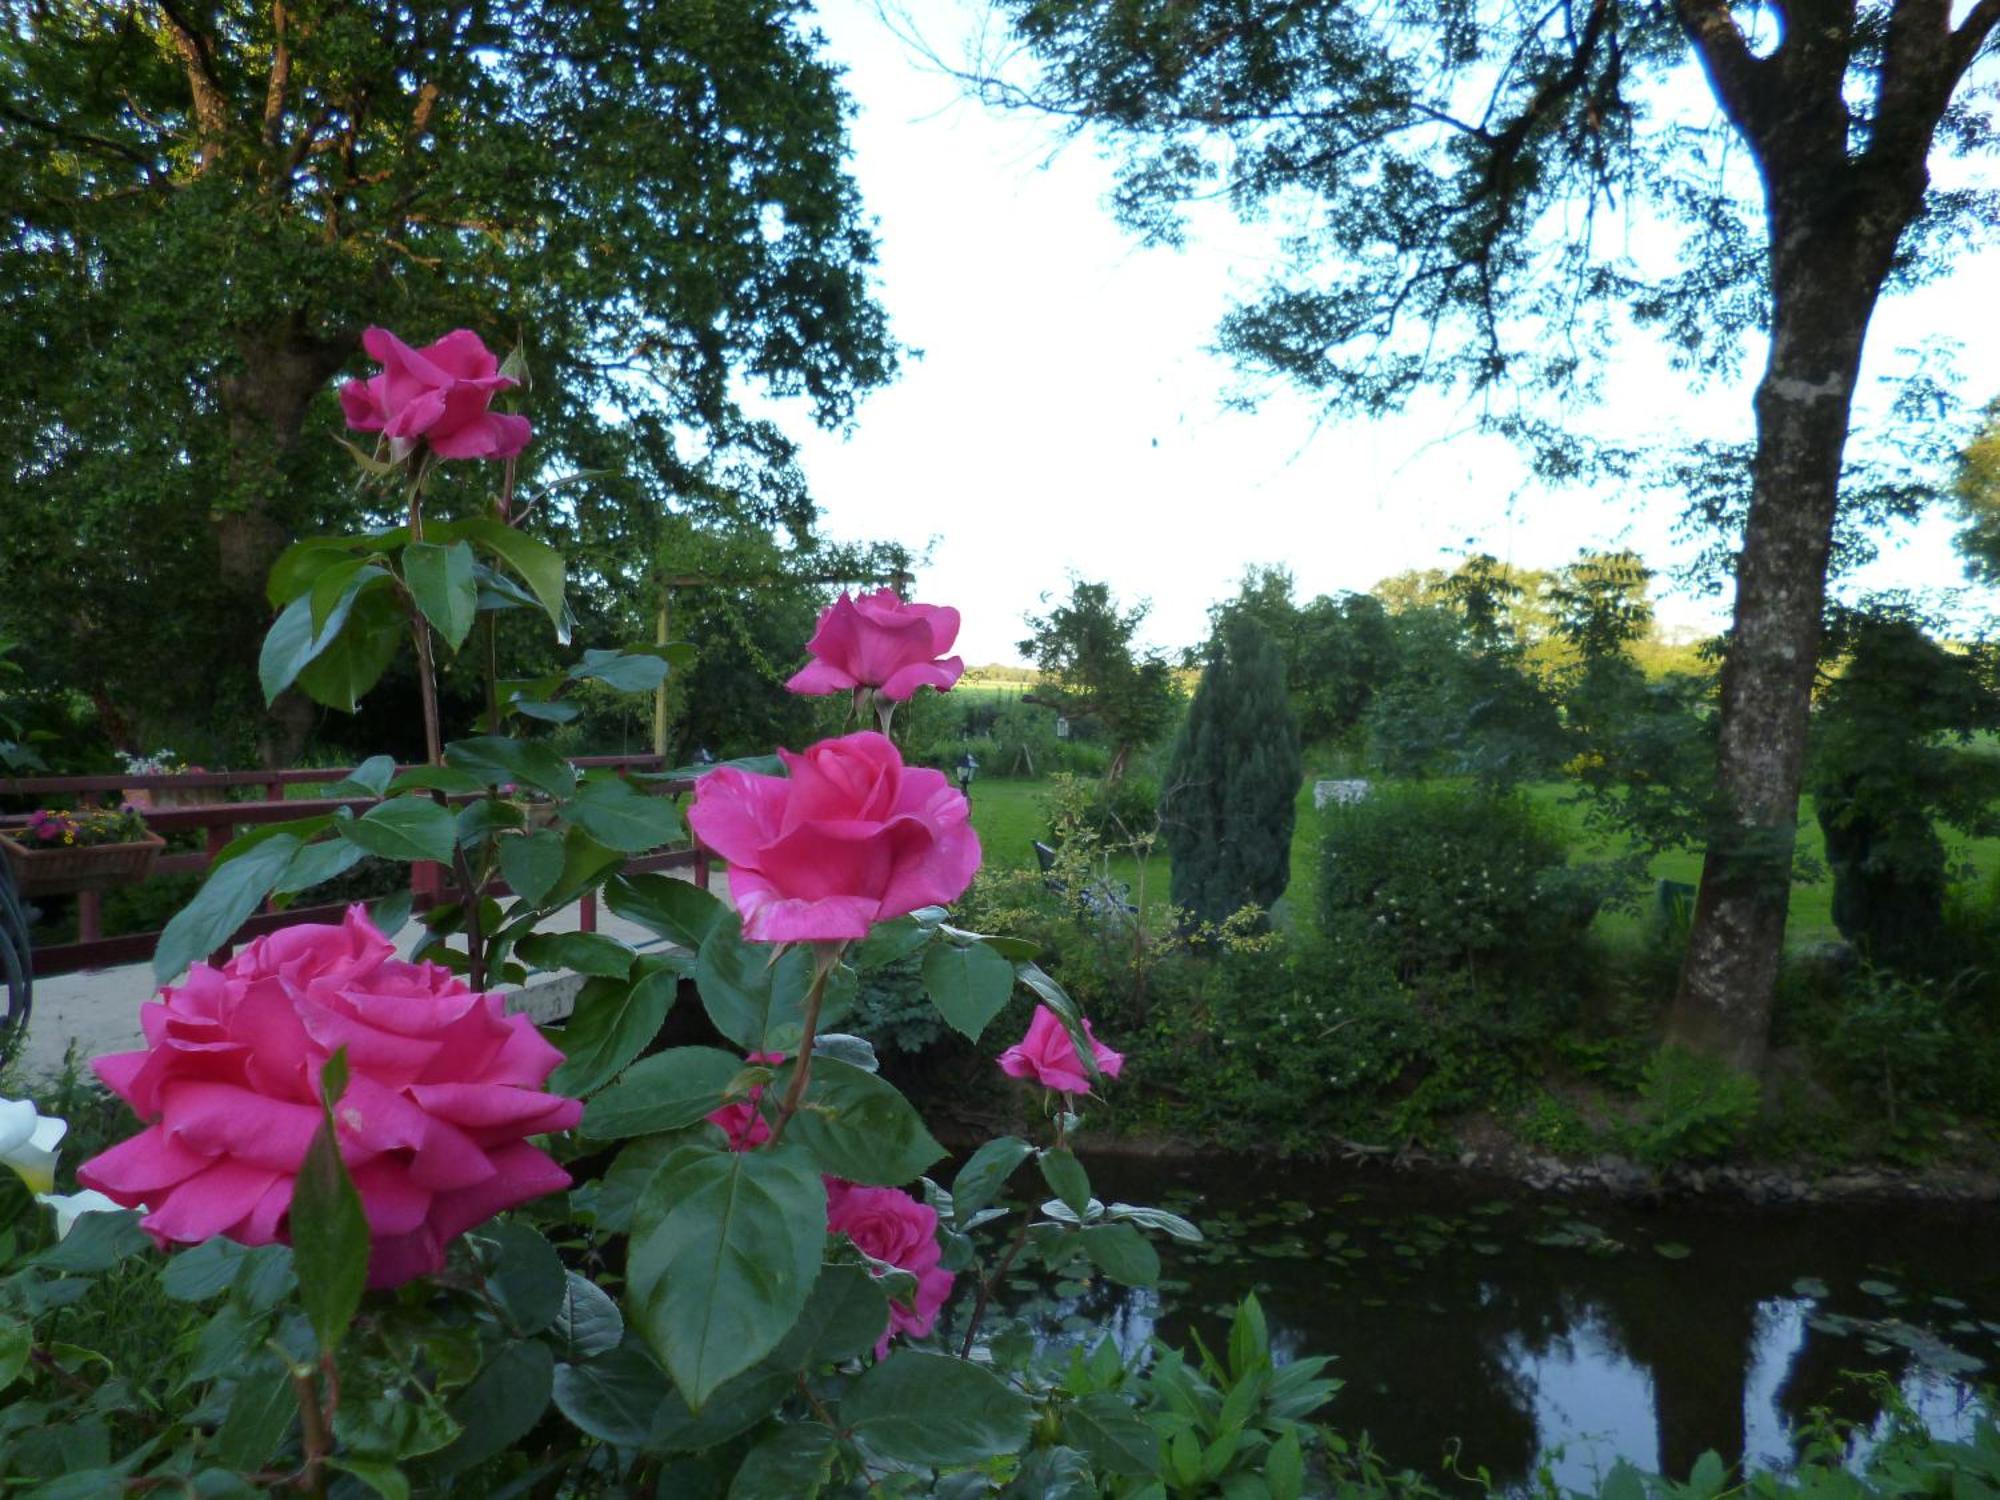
<point>443,1093</point>
<point>1048,1055</point>
<point>438,396</point>
<point>851,838</point>
<point>879,642</point>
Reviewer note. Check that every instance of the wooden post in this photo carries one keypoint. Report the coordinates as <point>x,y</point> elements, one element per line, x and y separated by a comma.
<point>89,916</point>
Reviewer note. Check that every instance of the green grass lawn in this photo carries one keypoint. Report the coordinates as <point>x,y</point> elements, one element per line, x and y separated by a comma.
<point>1011,815</point>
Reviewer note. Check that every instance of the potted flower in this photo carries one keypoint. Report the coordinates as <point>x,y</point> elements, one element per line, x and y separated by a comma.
<point>63,850</point>
<point>162,763</point>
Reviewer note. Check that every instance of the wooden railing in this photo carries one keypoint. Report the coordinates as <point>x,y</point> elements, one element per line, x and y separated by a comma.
<point>221,820</point>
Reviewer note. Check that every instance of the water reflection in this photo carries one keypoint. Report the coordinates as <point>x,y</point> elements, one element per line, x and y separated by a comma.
<point>1565,1335</point>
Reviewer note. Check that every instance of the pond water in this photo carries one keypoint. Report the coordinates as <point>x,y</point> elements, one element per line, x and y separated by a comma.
<point>1568,1333</point>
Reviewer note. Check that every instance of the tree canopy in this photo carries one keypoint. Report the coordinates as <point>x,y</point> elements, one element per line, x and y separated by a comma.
<point>204,206</point>
<point>1090,669</point>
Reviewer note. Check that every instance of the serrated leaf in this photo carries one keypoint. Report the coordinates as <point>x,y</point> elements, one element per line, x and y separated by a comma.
<point>611,1024</point>
<point>858,1126</point>
<point>666,1091</point>
<point>676,910</point>
<point>969,985</point>
<point>406,828</point>
<point>441,580</point>
<point>532,863</point>
<point>921,1408</point>
<point>725,1248</point>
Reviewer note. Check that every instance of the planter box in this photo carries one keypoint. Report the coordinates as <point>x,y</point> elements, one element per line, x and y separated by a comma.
<point>64,869</point>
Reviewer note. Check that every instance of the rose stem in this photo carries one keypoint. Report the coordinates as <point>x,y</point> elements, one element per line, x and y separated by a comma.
<point>825,957</point>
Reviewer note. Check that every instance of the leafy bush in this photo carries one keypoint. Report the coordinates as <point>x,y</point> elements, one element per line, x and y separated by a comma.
<point>1443,878</point>
<point>1692,1109</point>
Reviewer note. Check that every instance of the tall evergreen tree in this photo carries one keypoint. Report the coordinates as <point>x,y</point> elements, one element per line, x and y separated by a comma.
<point>1228,807</point>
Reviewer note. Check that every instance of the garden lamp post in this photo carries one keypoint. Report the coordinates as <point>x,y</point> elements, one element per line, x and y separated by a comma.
<point>967,769</point>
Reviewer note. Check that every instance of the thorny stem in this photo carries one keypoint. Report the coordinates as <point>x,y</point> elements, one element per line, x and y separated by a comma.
<point>826,956</point>
<point>987,1284</point>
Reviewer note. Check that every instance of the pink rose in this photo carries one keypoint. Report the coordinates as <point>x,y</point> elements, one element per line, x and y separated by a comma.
<point>892,1226</point>
<point>443,1091</point>
<point>438,394</point>
<point>1048,1054</point>
<point>743,1121</point>
<point>851,838</point>
<point>878,641</point>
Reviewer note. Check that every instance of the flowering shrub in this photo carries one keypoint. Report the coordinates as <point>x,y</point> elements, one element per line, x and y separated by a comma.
<point>79,827</point>
<point>433,1126</point>
<point>161,762</point>
<point>738,1294</point>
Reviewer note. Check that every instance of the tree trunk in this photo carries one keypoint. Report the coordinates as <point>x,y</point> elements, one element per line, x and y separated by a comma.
<point>1825,283</point>
<point>265,403</point>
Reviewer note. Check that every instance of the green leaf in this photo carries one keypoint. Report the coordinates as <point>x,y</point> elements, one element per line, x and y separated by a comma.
<point>613,1397</point>
<point>666,1091</point>
<point>969,985</point>
<point>329,1230</point>
<point>315,864</point>
<point>1156,1218</point>
<point>1066,1179</point>
<point>621,672</point>
<point>1285,1467</point>
<point>292,642</point>
<point>224,902</point>
<point>859,1126</point>
<point>588,1323</point>
<point>1060,1474</point>
<point>405,828</point>
<point>496,760</point>
<point>369,779</point>
<point>1107,1427</point>
<point>888,941</point>
<point>739,1404</point>
<point>17,1340</point>
<point>725,1249</point>
<point>261,1411</point>
<point>585,862</point>
<point>301,563</point>
<point>382,1475</point>
<point>1249,1338</point>
<point>436,779</point>
<point>585,952</point>
<point>539,565</point>
<point>793,1462</point>
<point>95,1243</point>
<point>620,816</point>
<point>611,1024</point>
<point>921,1408</point>
<point>677,910</point>
<point>532,863</point>
<point>1122,1253</point>
<point>757,1003</point>
<point>617,1194</point>
<point>330,586</point>
<point>842,1320</point>
<point>355,660</point>
<point>440,580</point>
<point>501,1405</point>
<point>980,1180</point>
<point>527,1283</point>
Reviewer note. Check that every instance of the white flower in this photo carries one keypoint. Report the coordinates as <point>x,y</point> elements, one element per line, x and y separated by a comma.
<point>69,1207</point>
<point>28,1143</point>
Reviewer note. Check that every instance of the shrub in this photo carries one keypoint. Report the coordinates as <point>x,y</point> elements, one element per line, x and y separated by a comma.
<point>1449,878</point>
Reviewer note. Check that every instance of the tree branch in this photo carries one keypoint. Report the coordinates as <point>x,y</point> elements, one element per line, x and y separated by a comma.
<point>1734,72</point>
<point>211,103</point>
<point>279,82</point>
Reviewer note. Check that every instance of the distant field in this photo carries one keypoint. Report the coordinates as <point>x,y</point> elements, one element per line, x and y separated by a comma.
<point>1010,816</point>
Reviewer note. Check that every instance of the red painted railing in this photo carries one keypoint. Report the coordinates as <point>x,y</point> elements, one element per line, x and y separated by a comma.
<point>221,820</point>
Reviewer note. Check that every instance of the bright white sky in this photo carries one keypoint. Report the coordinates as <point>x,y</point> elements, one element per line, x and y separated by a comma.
<point>1065,415</point>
